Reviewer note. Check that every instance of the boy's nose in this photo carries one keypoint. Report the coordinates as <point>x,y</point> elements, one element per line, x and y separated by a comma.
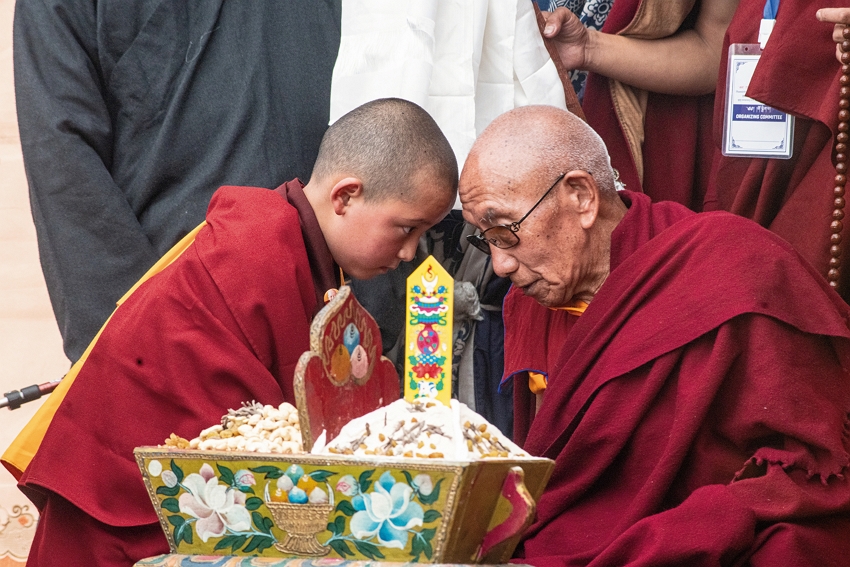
<point>408,251</point>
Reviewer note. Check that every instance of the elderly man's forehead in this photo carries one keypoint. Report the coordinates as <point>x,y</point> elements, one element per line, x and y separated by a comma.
<point>492,176</point>
<point>485,206</point>
<point>504,170</point>
<point>502,189</point>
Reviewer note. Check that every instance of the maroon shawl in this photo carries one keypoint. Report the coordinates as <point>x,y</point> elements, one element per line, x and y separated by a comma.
<point>698,413</point>
<point>225,323</point>
<point>535,335</point>
<point>798,73</point>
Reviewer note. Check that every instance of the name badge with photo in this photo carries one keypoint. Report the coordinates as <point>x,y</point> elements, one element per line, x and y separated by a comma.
<point>750,128</point>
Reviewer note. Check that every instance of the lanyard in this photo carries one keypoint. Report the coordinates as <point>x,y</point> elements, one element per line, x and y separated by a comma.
<point>752,129</point>
<point>768,21</point>
<point>770,9</point>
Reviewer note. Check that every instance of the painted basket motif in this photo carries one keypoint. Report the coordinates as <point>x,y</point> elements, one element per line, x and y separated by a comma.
<point>407,510</point>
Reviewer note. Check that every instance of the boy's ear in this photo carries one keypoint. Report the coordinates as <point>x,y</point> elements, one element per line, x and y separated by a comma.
<point>343,192</point>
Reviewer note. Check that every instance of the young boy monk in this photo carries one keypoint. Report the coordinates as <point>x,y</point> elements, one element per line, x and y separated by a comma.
<point>227,321</point>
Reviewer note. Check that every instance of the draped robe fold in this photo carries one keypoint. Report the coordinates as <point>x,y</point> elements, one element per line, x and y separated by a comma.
<point>698,410</point>
<point>225,323</point>
<point>797,73</point>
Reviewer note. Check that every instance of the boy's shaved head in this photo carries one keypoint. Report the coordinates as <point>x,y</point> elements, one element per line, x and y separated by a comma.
<point>387,143</point>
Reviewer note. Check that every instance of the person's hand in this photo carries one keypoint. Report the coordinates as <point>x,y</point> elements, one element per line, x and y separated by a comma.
<point>841,18</point>
<point>570,36</point>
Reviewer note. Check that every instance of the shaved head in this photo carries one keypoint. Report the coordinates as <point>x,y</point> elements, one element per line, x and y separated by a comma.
<point>386,143</point>
<point>543,142</point>
<point>560,238</point>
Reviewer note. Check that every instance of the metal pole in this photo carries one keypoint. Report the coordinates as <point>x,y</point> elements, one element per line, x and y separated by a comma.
<point>15,398</point>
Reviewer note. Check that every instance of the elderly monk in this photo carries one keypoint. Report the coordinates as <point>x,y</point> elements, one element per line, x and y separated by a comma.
<point>227,321</point>
<point>698,396</point>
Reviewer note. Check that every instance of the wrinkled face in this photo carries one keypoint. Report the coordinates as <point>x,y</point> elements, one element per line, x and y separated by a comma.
<point>377,235</point>
<point>550,262</point>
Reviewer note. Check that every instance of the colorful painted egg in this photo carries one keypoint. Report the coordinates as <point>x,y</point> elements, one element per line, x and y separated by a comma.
<point>297,496</point>
<point>359,362</point>
<point>351,337</point>
<point>285,483</point>
<point>340,364</point>
<point>428,340</point>
<point>279,496</point>
<point>294,472</point>
<point>318,496</point>
<point>307,484</point>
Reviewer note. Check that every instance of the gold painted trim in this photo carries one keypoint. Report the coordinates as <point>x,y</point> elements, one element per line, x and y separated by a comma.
<point>140,461</point>
<point>320,322</point>
<point>301,398</point>
<point>320,346</point>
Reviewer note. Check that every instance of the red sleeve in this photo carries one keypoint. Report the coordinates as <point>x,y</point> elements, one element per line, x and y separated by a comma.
<point>731,450</point>
<point>224,324</point>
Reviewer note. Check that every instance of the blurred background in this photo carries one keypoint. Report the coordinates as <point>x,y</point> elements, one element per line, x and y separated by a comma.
<point>30,345</point>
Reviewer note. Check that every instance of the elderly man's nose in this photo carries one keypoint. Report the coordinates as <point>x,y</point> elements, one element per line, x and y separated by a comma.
<point>504,264</point>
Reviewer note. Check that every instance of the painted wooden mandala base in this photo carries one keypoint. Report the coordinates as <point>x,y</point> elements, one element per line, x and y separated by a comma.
<point>404,510</point>
<point>179,560</point>
<point>215,503</point>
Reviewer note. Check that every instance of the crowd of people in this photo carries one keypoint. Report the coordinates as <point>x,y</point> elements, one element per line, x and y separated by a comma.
<point>674,338</point>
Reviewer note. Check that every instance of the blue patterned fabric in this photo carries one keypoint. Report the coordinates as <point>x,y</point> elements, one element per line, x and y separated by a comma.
<point>591,13</point>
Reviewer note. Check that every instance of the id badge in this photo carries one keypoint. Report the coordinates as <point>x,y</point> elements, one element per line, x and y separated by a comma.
<point>750,128</point>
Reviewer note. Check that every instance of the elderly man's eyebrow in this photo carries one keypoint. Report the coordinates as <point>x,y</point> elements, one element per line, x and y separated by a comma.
<point>488,216</point>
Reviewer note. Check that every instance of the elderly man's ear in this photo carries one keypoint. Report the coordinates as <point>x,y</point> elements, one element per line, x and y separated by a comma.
<point>584,196</point>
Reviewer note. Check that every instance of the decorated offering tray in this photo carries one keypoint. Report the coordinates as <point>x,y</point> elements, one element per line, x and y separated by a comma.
<point>422,480</point>
<point>421,510</point>
<point>179,560</point>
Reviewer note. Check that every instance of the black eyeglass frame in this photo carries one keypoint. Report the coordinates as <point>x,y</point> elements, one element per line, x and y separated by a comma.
<point>481,242</point>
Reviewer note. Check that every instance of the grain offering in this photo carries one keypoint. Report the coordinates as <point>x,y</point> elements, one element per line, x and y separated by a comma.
<point>422,429</point>
<point>253,428</point>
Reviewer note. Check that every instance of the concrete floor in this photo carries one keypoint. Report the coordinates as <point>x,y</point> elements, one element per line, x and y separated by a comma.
<point>30,345</point>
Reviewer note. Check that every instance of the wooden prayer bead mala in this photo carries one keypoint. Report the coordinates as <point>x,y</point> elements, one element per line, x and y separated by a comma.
<point>840,155</point>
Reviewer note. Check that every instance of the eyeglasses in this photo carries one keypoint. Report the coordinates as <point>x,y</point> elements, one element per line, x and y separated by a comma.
<point>504,235</point>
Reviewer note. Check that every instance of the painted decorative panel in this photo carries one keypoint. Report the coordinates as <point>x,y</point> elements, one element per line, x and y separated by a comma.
<point>402,510</point>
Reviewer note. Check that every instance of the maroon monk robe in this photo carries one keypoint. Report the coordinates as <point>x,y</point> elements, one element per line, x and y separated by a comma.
<point>225,323</point>
<point>676,151</point>
<point>797,73</point>
<point>547,329</point>
<point>698,413</point>
<point>524,317</point>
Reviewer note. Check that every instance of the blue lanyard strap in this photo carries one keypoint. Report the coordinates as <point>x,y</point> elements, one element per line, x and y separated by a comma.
<point>770,9</point>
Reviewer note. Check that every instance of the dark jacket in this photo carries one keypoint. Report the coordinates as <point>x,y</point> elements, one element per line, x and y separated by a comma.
<point>132,112</point>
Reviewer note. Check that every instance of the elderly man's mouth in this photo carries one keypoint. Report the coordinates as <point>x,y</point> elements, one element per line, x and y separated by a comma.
<point>526,288</point>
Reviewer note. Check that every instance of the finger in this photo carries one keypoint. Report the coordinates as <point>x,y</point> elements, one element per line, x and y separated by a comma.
<point>838,33</point>
<point>834,15</point>
<point>555,20</point>
<point>553,26</point>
